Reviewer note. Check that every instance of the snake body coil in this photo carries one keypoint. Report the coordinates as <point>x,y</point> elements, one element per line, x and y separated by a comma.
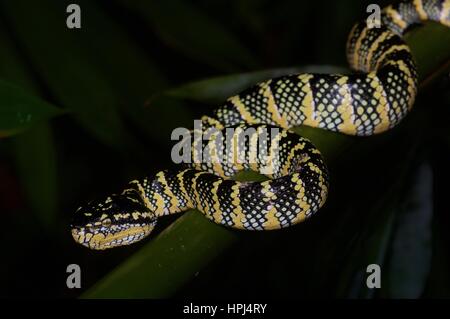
<point>365,103</point>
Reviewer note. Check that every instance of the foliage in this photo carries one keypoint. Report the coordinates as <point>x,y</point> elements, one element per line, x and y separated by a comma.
<point>84,111</point>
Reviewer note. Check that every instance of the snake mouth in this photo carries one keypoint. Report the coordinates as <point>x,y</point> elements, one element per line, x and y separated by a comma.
<point>100,239</point>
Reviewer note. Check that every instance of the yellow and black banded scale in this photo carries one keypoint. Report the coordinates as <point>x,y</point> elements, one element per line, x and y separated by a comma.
<point>371,101</point>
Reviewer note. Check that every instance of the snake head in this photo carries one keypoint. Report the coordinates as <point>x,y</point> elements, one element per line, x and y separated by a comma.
<point>115,221</point>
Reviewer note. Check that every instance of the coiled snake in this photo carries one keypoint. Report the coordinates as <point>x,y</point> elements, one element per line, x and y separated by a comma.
<point>371,101</point>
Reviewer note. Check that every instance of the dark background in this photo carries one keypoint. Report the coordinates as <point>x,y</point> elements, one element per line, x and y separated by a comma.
<point>112,76</point>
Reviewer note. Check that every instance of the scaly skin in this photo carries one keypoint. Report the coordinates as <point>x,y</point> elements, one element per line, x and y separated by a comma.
<point>371,101</point>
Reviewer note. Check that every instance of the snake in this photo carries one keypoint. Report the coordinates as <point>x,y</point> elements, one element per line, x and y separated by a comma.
<point>258,122</point>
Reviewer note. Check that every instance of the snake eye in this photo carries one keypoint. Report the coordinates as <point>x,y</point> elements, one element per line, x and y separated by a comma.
<point>106,222</point>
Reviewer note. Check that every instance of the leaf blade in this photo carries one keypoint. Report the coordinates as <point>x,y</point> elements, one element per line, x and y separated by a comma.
<point>221,50</point>
<point>19,110</point>
<point>328,146</point>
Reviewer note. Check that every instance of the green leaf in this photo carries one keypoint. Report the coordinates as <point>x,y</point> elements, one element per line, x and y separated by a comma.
<point>193,33</point>
<point>398,240</point>
<point>67,70</point>
<point>218,89</point>
<point>33,149</point>
<point>438,281</point>
<point>155,270</point>
<point>19,109</point>
<point>133,78</point>
<point>430,54</point>
<point>410,249</point>
<point>157,282</point>
<point>370,249</point>
<point>36,164</point>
